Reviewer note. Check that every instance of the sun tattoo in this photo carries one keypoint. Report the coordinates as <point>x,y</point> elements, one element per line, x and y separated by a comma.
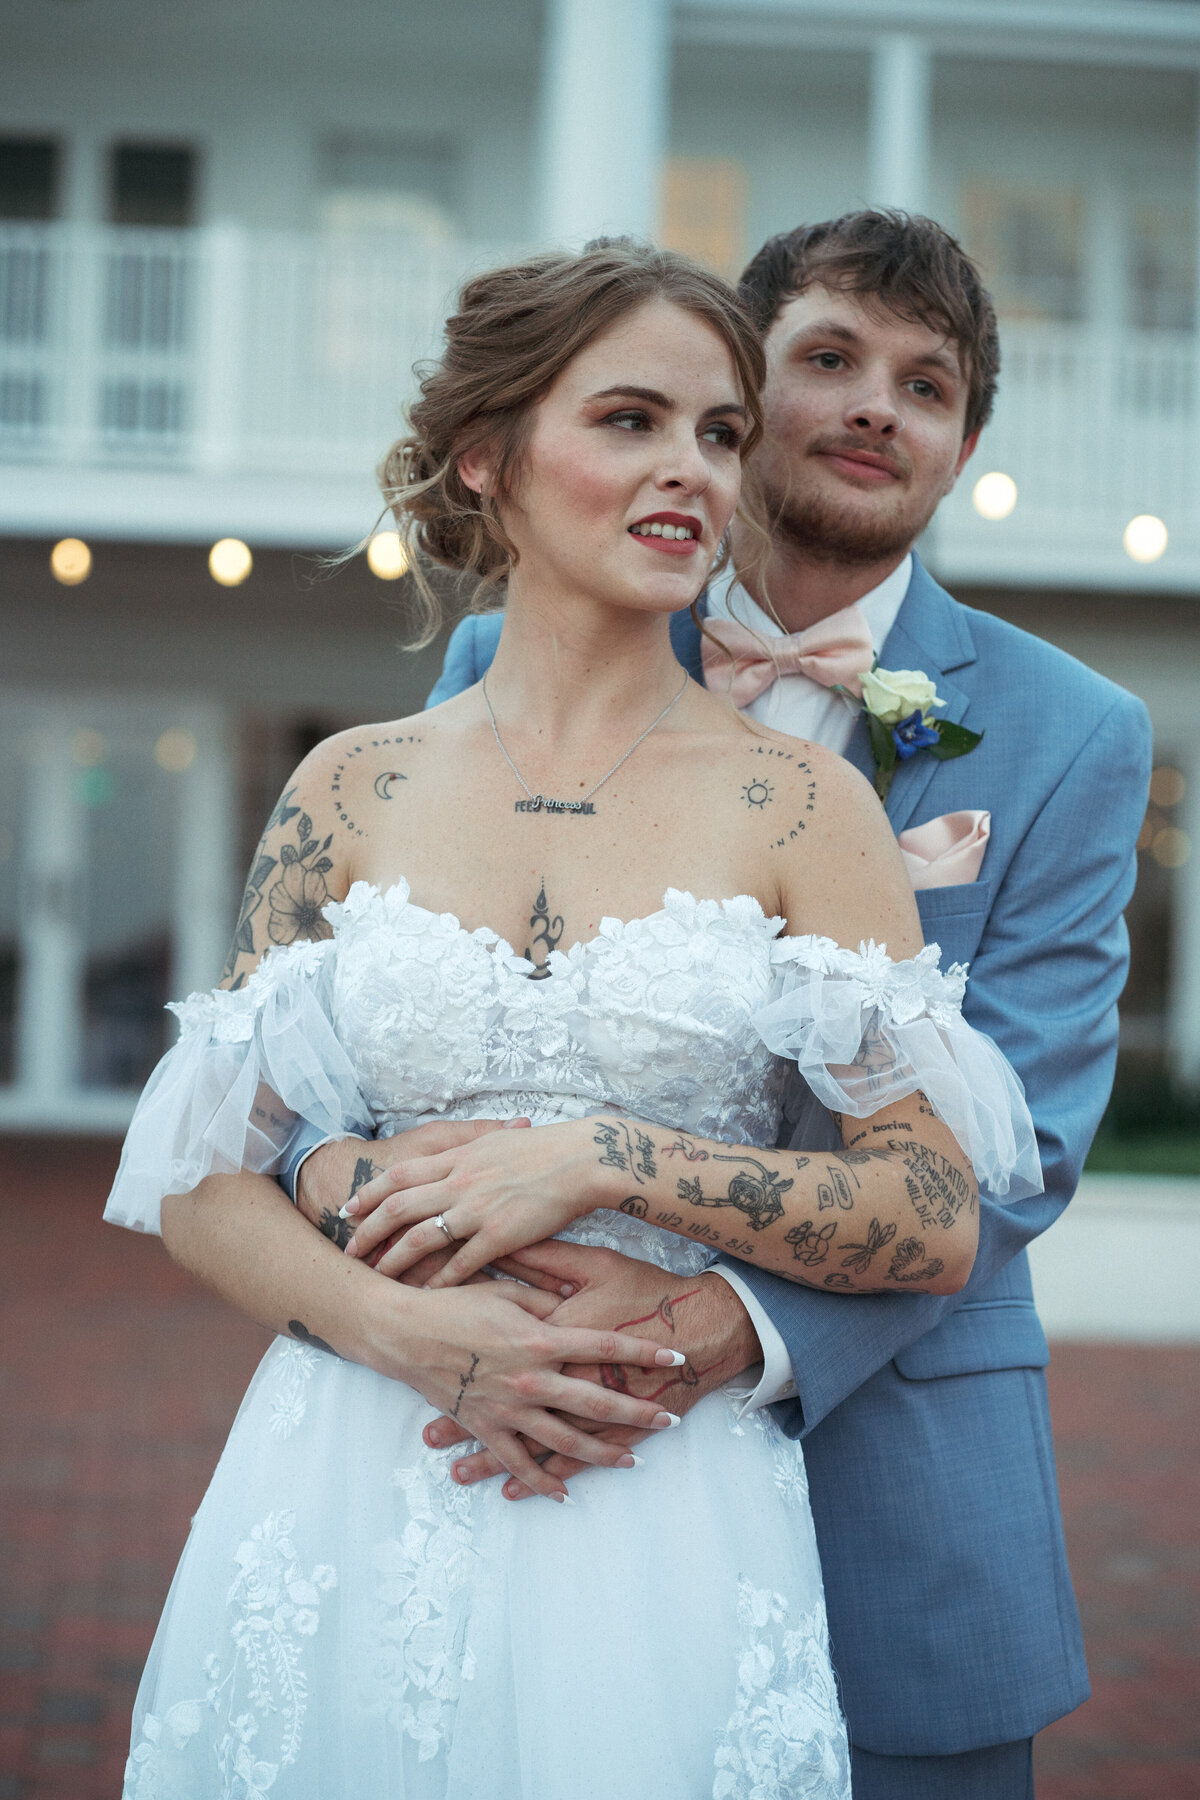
<point>758,793</point>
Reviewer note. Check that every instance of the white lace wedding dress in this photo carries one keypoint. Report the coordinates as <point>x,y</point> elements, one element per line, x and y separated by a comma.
<point>345,1622</point>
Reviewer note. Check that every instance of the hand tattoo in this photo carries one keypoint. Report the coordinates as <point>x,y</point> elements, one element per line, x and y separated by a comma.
<point>339,1231</point>
<point>758,1196</point>
<point>464,1382</point>
<point>331,1225</point>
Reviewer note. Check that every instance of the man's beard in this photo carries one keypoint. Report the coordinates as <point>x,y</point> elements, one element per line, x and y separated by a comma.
<point>821,529</point>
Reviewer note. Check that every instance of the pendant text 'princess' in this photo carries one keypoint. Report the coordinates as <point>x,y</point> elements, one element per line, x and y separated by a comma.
<point>539,803</point>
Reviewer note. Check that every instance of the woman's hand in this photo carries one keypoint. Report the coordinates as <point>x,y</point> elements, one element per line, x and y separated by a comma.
<point>485,1357</point>
<point>496,1195</point>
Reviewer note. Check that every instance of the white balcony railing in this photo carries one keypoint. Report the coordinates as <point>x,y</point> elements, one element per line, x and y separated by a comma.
<point>209,349</point>
<point>217,380</point>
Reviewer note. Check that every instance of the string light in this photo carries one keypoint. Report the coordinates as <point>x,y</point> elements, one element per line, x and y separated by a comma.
<point>387,556</point>
<point>994,495</point>
<point>70,561</point>
<point>175,751</point>
<point>1145,538</point>
<point>229,562</point>
<point>1167,786</point>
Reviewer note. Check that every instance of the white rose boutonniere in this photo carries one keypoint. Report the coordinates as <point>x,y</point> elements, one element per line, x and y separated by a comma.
<point>899,707</point>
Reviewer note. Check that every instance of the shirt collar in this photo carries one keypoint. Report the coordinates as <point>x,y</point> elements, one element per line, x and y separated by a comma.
<point>728,599</point>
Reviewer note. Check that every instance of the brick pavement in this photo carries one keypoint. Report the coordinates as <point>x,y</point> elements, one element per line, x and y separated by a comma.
<point>120,1379</point>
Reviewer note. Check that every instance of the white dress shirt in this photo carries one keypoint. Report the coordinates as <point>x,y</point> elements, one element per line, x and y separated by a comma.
<point>803,709</point>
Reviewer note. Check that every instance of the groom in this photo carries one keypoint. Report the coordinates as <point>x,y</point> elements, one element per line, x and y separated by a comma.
<point>924,1419</point>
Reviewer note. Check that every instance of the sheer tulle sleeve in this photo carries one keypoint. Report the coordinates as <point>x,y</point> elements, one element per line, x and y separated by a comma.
<point>228,1094</point>
<point>865,1031</point>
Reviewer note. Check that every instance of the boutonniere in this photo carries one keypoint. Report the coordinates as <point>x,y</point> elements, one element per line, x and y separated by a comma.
<point>899,707</point>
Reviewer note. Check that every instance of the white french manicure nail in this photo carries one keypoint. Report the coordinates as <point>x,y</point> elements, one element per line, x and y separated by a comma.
<point>344,1211</point>
<point>679,1359</point>
<point>639,1462</point>
<point>663,1421</point>
<point>563,1499</point>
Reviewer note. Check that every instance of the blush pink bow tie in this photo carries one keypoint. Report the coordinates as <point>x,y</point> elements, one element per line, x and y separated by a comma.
<point>835,651</point>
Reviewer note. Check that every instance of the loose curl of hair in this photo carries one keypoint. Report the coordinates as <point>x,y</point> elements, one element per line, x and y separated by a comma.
<point>514,332</point>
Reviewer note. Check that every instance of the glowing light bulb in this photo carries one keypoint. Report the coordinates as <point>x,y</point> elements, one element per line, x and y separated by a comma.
<point>1145,538</point>
<point>229,562</point>
<point>1171,847</point>
<point>175,751</point>
<point>1167,786</point>
<point>387,556</point>
<point>70,561</point>
<point>87,748</point>
<point>994,495</point>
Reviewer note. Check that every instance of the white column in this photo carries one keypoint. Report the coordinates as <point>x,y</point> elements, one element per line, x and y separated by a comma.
<point>1183,1022</point>
<point>898,126</point>
<point>219,372</point>
<point>605,76</point>
<point>84,196</point>
<point>50,997</point>
<point>204,884</point>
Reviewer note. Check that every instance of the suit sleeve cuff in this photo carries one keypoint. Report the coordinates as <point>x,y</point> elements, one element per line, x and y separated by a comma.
<point>302,1144</point>
<point>775,1382</point>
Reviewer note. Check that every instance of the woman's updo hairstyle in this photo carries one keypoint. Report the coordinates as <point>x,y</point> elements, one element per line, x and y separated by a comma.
<point>514,332</point>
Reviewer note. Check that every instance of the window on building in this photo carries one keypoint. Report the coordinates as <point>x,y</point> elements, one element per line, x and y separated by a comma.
<point>29,171</point>
<point>382,185</point>
<point>1161,267</point>
<point>704,211</point>
<point>152,184</point>
<point>1029,245</point>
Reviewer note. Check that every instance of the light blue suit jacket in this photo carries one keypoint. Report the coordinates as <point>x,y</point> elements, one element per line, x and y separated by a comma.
<point>924,1418</point>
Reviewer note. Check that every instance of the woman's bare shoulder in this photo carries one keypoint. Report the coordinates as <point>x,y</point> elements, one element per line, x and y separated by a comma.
<point>784,788</point>
<point>307,853</point>
<point>352,771</point>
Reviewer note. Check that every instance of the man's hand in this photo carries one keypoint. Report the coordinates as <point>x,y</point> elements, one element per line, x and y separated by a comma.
<point>335,1172</point>
<point>701,1317</point>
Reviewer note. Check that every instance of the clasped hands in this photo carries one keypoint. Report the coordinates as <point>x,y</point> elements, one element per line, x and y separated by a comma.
<point>490,1198</point>
<point>586,1288</point>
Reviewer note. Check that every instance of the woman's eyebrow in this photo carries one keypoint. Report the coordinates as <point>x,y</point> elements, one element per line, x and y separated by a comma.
<point>651,395</point>
<point>654,397</point>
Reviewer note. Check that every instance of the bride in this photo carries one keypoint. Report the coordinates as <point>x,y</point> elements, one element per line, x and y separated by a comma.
<point>588,897</point>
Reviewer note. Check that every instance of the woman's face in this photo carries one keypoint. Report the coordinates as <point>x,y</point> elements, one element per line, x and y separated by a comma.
<point>632,470</point>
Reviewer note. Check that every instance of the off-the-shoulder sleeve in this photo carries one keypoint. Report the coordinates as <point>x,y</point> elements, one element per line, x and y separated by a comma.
<point>865,1031</point>
<point>229,1092</point>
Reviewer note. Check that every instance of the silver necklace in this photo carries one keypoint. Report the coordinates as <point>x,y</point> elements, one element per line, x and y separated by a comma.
<point>541,802</point>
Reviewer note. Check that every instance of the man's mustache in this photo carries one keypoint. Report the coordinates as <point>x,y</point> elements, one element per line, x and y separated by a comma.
<point>887,458</point>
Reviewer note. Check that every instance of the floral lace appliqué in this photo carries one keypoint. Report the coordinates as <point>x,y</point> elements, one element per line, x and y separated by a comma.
<point>421,1656</point>
<point>295,1364</point>
<point>784,1739</point>
<point>263,1690</point>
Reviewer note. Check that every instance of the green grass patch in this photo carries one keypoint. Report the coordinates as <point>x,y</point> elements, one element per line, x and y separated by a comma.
<point>1149,1153</point>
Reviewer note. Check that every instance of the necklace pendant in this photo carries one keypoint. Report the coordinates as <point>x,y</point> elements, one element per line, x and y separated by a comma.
<point>540,803</point>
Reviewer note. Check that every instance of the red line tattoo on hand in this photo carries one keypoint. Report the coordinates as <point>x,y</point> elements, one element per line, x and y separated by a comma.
<point>665,1310</point>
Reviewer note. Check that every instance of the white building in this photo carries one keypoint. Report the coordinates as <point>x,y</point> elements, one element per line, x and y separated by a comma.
<point>226,232</point>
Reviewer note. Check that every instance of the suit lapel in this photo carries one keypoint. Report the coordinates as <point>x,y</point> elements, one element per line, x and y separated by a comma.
<point>931,633</point>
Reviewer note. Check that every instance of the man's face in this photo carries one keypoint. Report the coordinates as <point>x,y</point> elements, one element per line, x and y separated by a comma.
<point>864,427</point>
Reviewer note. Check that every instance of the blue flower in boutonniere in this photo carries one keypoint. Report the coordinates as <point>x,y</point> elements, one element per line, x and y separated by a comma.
<point>899,707</point>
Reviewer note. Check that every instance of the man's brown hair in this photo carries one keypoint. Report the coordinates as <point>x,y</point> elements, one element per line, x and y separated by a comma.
<point>906,265</point>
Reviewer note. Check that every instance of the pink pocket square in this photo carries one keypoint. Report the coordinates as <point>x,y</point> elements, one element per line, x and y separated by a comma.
<point>946,852</point>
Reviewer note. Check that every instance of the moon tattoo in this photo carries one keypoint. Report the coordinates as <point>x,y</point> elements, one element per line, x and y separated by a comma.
<point>381,782</point>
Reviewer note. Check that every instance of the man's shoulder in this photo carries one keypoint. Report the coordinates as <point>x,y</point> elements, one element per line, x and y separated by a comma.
<point>1043,674</point>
